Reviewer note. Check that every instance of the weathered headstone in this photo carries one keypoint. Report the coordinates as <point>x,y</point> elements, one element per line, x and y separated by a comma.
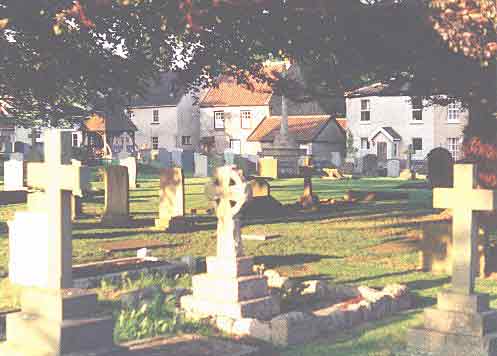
<point>55,319</point>
<point>77,201</point>
<point>164,158</point>
<point>240,293</point>
<point>229,157</point>
<point>308,200</point>
<point>187,161</point>
<point>201,165</point>
<point>116,210</point>
<point>462,323</point>
<point>369,165</point>
<point>268,167</point>
<point>130,163</point>
<point>13,173</point>
<point>172,196</point>
<point>393,168</point>
<point>176,155</point>
<point>440,168</point>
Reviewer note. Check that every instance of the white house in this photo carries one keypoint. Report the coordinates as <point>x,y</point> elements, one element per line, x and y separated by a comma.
<point>167,117</point>
<point>386,120</point>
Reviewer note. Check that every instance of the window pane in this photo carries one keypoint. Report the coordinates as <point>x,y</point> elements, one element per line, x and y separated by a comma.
<point>417,144</point>
<point>219,120</point>
<point>417,103</point>
<point>365,116</point>
<point>417,115</point>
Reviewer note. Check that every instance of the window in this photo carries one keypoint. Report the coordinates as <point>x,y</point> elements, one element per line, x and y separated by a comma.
<point>75,140</point>
<point>365,110</point>
<point>246,118</point>
<point>395,152</point>
<point>454,147</point>
<point>417,108</point>
<point>219,120</point>
<point>155,119</point>
<point>364,143</point>
<point>186,140</point>
<point>236,146</point>
<point>155,143</point>
<point>417,144</point>
<point>453,111</point>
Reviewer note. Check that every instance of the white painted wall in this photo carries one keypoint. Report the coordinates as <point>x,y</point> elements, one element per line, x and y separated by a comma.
<point>166,129</point>
<point>233,128</point>
<point>396,111</point>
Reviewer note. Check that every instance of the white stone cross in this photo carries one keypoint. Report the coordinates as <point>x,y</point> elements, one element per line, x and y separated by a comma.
<point>59,179</point>
<point>230,192</point>
<point>464,200</point>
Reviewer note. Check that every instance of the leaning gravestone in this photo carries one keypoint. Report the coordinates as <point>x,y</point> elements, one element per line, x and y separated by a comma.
<point>55,318</point>
<point>393,168</point>
<point>239,292</point>
<point>172,197</point>
<point>13,172</point>
<point>369,165</point>
<point>201,165</point>
<point>130,164</point>
<point>462,322</point>
<point>116,210</point>
<point>440,168</point>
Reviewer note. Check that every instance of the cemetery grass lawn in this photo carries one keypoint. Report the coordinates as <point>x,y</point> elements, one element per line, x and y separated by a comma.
<point>370,244</point>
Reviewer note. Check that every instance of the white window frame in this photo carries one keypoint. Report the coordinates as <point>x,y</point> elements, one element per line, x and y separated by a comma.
<point>246,119</point>
<point>218,118</point>
<point>240,146</point>
<point>155,116</point>
<point>368,144</point>
<point>186,140</point>
<point>453,112</point>
<point>454,147</point>
<point>155,142</point>
<point>366,110</point>
<point>416,109</point>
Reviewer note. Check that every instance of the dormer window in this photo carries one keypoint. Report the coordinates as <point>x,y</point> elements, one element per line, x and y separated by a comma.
<point>417,109</point>
<point>365,110</point>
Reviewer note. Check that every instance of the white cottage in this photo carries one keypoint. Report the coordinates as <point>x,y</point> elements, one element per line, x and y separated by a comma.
<point>386,120</point>
<point>167,117</point>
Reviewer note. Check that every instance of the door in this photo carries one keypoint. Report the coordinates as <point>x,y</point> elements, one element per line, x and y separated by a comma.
<point>381,151</point>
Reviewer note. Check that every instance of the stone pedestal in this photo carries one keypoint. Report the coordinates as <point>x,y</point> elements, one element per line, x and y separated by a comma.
<point>460,324</point>
<point>58,322</point>
<point>230,289</point>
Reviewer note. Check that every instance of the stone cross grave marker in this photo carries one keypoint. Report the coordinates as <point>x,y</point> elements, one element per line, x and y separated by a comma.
<point>59,180</point>
<point>229,192</point>
<point>464,200</point>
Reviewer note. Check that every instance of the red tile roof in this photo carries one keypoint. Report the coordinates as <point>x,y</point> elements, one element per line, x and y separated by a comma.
<point>305,128</point>
<point>342,122</point>
<point>231,93</point>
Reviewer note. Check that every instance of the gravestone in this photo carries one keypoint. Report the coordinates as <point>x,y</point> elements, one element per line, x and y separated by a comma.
<point>440,168</point>
<point>130,163</point>
<point>13,173</point>
<point>245,165</point>
<point>172,197</point>
<point>19,147</point>
<point>187,161</point>
<point>55,318</point>
<point>260,188</point>
<point>176,155</point>
<point>77,201</point>
<point>393,168</point>
<point>116,210</point>
<point>336,159</point>
<point>308,200</point>
<point>462,322</point>
<point>369,165</point>
<point>239,292</point>
<point>201,165</point>
<point>229,158</point>
<point>268,167</point>
<point>145,156</point>
<point>164,158</point>
<point>214,162</point>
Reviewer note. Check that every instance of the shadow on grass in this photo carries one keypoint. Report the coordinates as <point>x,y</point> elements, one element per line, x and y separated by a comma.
<point>379,276</point>
<point>273,261</point>
<point>111,234</point>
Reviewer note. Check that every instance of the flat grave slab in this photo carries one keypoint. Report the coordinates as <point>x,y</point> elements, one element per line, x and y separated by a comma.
<point>187,345</point>
<point>133,245</point>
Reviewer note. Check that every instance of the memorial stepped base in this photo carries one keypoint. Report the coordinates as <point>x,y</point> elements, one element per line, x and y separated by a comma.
<point>230,288</point>
<point>58,323</point>
<point>459,325</point>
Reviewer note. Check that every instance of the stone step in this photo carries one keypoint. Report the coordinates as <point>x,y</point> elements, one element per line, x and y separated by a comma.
<point>421,340</point>
<point>475,324</point>
<point>219,289</point>
<point>58,305</point>
<point>262,308</point>
<point>230,267</point>
<point>74,335</point>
